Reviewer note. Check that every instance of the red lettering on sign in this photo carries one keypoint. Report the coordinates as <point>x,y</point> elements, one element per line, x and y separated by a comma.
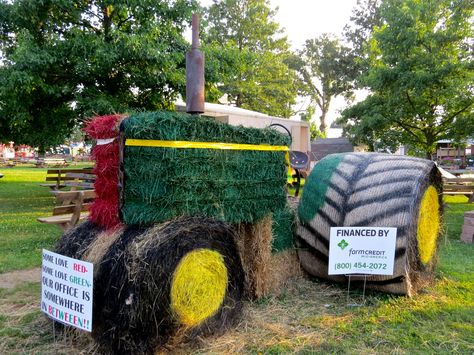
<point>79,268</point>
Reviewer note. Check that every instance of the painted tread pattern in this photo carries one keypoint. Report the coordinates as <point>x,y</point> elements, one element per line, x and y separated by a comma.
<point>374,190</point>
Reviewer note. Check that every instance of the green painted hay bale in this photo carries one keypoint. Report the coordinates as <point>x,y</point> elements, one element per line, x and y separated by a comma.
<point>231,185</point>
<point>374,190</point>
<point>283,226</point>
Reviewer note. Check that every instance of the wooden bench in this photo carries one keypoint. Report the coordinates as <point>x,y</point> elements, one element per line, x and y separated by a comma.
<point>459,186</point>
<point>82,180</point>
<point>71,207</point>
<point>60,178</point>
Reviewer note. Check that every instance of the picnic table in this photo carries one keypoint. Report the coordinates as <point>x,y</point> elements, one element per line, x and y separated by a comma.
<point>454,185</point>
<point>459,186</point>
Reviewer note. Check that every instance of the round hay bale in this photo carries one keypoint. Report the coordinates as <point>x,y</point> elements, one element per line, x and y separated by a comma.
<point>187,274</point>
<point>181,277</point>
<point>75,241</point>
<point>113,290</point>
<point>375,190</point>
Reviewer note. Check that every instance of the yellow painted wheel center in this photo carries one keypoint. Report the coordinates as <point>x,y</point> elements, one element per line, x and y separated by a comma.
<point>198,286</point>
<point>428,224</point>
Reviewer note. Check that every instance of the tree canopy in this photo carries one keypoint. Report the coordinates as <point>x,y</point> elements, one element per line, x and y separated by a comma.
<point>420,77</point>
<point>64,60</point>
<point>246,57</point>
<point>325,70</point>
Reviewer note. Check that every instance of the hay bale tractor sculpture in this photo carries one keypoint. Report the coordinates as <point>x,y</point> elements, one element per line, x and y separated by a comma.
<point>191,217</point>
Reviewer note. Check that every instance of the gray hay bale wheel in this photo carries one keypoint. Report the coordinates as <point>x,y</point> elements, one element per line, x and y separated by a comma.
<point>374,190</point>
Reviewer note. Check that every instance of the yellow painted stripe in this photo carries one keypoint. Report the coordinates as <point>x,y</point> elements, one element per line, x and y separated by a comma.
<point>202,145</point>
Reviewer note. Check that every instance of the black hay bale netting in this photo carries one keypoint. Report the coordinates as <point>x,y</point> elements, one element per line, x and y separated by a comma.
<point>236,186</point>
<point>374,190</point>
<point>74,242</point>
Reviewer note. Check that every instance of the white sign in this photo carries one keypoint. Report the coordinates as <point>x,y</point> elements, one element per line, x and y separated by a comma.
<point>66,291</point>
<point>362,250</point>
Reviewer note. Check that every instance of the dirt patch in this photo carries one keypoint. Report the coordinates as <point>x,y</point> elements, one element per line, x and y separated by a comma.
<point>14,278</point>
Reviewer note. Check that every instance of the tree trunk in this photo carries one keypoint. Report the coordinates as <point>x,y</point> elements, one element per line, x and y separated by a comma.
<point>322,119</point>
<point>238,101</point>
<point>41,151</point>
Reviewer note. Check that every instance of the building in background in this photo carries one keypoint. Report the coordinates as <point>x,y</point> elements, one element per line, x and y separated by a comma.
<point>236,116</point>
<point>324,146</point>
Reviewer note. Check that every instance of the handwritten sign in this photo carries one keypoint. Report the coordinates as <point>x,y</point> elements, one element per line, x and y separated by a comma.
<point>362,250</point>
<point>66,291</point>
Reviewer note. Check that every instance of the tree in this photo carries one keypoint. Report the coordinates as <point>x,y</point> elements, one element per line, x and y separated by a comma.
<point>246,55</point>
<point>325,70</point>
<point>65,60</point>
<point>421,76</point>
<point>365,17</point>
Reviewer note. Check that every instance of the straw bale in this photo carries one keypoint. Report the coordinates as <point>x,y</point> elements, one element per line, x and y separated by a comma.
<point>283,228</point>
<point>255,248</point>
<point>283,266</point>
<point>113,291</point>
<point>97,249</point>
<point>374,190</point>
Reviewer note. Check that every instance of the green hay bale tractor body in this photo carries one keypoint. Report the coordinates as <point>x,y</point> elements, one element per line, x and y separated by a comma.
<point>233,185</point>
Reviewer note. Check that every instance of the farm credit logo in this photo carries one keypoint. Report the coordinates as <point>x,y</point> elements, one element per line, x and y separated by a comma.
<point>343,244</point>
<point>362,250</point>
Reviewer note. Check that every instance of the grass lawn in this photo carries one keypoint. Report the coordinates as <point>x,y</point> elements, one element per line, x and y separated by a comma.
<point>22,200</point>
<point>309,316</point>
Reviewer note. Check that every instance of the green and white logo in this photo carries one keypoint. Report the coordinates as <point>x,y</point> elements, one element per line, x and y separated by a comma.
<point>343,244</point>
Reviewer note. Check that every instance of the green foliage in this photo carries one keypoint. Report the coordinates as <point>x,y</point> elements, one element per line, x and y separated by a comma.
<point>420,76</point>
<point>65,60</point>
<point>246,57</point>
<point>315,133</point>
<point>326,70</point>
<point>365,17</point>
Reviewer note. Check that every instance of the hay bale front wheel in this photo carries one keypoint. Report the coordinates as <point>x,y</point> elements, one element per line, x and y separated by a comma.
<point>375,190</point>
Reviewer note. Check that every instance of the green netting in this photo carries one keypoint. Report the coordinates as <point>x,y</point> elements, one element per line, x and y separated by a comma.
<point>283,225</point>
<point>231,185</point>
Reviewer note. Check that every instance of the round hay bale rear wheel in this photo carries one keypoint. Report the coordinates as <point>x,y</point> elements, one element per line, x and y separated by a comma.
<point>375,190</point>
<point>187,277</point>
